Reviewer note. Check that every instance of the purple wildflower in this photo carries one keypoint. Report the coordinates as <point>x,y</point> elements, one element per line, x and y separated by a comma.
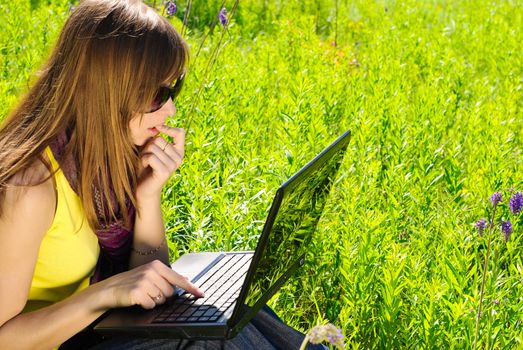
<point>516,203</point>
<point>171,8</point>
<point>496,198</point>
<point>328,333</point>
<point>506,228</point>
<point>496,301</point>
<point>223,17</point>
<point>481,225</point>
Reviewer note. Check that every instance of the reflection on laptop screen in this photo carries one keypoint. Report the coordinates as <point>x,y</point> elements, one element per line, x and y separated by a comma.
<point>299,213</point>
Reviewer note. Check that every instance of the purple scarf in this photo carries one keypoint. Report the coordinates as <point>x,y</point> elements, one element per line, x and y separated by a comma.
<point>114,238</point>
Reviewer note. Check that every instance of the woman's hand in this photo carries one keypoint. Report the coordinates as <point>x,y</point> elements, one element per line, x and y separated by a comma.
<point>159,160</point>
<point>147,285</point>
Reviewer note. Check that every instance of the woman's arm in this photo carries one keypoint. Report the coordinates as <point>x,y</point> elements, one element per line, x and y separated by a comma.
<point>29,212</point>
<point>20,239</point>
<point>160,159</point>
<point>50,326</point>
<point>149,233</point>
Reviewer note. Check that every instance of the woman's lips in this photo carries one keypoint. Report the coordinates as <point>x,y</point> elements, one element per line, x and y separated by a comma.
<point>154,131</point>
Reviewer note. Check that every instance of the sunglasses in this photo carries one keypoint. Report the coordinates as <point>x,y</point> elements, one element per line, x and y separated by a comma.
<point>166,92</point>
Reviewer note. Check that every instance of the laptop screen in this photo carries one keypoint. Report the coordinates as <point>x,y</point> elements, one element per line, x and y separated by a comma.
<point>304,197</point>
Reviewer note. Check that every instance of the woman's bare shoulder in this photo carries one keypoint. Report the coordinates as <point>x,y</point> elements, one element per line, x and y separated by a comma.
<point>35,174</point>
<point>31,190</point>
<point>27,214</point>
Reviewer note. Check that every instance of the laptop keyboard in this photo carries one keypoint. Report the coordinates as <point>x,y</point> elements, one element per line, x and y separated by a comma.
<point>221,285</point>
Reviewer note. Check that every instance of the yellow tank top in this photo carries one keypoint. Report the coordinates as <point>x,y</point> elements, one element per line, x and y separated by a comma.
<point>68,252</point>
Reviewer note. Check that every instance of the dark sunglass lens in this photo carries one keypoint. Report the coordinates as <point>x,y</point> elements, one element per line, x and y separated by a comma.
<point>159,100</point>
<point>175,90</point>
<point>164,93</point>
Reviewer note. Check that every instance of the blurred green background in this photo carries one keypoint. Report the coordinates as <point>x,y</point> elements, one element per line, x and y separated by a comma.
<point>433,94</point>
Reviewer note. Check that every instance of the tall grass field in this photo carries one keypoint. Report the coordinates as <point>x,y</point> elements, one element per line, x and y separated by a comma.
<point>433,93</point>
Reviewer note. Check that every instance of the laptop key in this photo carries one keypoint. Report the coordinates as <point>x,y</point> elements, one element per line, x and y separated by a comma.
<point>210,312</point>
<point>188,312</point>
<point>180,308</point>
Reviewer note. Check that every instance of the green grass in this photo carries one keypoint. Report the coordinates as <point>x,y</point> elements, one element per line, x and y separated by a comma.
<point>433,92</point>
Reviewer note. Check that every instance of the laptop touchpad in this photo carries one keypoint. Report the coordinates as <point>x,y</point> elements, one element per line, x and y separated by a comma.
<point>191,264</point>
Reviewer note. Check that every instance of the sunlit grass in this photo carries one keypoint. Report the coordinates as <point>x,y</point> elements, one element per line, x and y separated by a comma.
<point>433,93</point>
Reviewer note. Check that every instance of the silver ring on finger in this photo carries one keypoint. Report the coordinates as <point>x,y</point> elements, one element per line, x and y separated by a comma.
<point>158,298</point>
<point>165,145</point>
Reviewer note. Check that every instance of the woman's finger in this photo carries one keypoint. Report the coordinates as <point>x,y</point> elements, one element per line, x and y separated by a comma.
<point>161,148</point>
<point>165,288</point>
<point>161,142</point>
<point>154,285</point>
<point>144,299</point>
<point>167,156</point>
<point>152,160</point>
<point>159,298</point>
<point>178,135</point>
<point>176,279</point>
<point>172,151</point>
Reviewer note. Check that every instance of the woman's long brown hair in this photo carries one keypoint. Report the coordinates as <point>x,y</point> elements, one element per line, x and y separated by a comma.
<point>109,61</point>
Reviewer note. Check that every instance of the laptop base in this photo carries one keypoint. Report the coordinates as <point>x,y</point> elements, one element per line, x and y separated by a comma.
<point>138,322</point>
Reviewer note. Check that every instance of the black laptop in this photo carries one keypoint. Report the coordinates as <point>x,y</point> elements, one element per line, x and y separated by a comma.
<point>238,284</point>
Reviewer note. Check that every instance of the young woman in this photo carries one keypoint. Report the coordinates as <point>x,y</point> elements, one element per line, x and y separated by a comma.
<point>82,166</point>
